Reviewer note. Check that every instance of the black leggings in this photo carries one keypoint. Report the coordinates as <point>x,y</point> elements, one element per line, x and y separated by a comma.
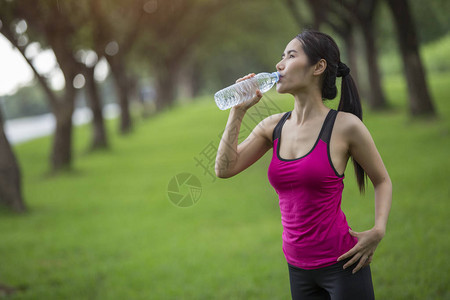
<point>332,282</point>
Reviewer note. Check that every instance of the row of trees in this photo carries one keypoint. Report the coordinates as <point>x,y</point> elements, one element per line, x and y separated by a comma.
<point>345,17</point>
<point>172,37</point>
<point>160,35</point>
<point>109,29</point>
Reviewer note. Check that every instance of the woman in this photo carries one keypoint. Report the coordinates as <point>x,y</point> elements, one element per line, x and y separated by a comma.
<point>311,147</point>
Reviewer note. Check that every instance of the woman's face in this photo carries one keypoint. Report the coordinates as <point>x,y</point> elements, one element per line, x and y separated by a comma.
<point>296,73</point>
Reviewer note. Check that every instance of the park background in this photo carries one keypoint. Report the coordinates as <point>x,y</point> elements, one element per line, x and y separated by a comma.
<point>86,212</point>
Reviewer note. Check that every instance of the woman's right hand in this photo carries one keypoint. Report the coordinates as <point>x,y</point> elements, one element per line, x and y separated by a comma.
<point>247,104</point>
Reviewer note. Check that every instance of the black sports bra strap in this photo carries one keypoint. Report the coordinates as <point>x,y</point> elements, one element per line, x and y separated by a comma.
<point>277,130</point>
<point>328,126</point>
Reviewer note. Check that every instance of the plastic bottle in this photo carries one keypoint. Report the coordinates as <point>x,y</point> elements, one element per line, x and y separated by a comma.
<point>245,90</point>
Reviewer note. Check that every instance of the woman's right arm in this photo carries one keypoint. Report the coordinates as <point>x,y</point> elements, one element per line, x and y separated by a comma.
<point>232,158</point>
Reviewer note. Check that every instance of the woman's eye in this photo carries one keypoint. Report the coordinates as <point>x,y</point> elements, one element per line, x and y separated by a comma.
<point>291,56</point>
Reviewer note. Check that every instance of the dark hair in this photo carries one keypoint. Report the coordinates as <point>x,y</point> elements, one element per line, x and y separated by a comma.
<point>318,45</point>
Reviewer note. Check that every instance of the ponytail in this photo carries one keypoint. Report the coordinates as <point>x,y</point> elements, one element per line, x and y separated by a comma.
<point>351,103</point>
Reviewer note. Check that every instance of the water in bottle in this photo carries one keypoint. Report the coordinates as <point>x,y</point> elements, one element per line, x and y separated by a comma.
<point>245,90</point>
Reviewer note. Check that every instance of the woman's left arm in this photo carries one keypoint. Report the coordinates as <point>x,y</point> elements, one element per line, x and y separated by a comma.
<point>362,148</point>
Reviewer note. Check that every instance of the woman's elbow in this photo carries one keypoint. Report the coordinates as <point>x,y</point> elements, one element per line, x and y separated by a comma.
<point>384,182</point>
<point>387,180</point>
<point>220,173</point>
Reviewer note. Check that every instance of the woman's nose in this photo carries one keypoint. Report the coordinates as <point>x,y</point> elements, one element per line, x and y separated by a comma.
<point>279,66</point>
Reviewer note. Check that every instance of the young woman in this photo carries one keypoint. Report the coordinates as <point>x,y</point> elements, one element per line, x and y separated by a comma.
<point>311,147</point>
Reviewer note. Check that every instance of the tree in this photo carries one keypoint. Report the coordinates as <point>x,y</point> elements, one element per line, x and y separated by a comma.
<point>338,15</point>
<point>67,30</point>
<point>99,138</point>
<point>50,26</point>
<point>88,51</point>
<point>10,177</point>
<point>173,30</point>
<point>420,102</point>
<point>431,19</point>
<point>364,13</point>
<point>114,40</point>
<point>239,41</point>
<point>346,30</point>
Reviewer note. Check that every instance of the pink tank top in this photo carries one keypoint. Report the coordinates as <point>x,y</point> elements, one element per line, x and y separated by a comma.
<point>315,230</point>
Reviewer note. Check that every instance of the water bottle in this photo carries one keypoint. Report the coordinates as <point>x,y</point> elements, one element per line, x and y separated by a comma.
<point>245,90</point>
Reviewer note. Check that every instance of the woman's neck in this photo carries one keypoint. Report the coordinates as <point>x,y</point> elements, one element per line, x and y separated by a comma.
<point>308,106</point>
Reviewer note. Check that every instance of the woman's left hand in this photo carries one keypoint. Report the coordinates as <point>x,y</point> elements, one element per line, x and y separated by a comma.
<point>364,249</point>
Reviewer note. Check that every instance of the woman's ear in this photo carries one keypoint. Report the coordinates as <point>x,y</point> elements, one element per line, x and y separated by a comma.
<point>320,67</point>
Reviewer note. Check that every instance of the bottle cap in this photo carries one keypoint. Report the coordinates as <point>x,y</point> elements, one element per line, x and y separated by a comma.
<point>277,74</point>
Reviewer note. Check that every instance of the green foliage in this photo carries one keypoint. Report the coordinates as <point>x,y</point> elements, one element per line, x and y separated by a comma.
<point>27,101</point>
<point>431,18</point>
<point>108,231</point>
<point>31,100</point>
<point>245,37</point>
<point>434,57</point>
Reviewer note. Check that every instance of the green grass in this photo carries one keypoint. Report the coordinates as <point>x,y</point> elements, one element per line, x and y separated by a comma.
<point>107,230</point>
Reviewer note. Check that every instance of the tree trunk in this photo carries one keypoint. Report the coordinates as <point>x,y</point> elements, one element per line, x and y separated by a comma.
<point>61,156</point>
<point>345,29</point>
<point>319,9</point>
<point>99,137</point>
<point>376,98</point>
<point>196,79</point>
<point>165,93</point>
<point>420,102</point>
<point>166,86</point>
<point>10,177</point>
<point>122,88</point>
<point>188,81</point>
<point>53,25</point>
<point>350,47</point>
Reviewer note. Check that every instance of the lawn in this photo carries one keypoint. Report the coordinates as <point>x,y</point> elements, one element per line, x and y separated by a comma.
<point>107,230</point>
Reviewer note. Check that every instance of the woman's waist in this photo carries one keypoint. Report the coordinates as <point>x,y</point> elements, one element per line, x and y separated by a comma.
<point>319,227</point>
<point>304,214</point>
<point>318,245</point>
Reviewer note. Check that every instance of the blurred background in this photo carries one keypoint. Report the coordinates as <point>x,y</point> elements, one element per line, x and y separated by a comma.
<point>104,104</point>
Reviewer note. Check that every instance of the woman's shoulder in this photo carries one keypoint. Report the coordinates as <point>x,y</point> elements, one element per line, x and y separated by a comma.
<point>271,121</point>
<point>349,126</point>
<point>348,121</point>
<point>267,125</point>
<point>275,118</point>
